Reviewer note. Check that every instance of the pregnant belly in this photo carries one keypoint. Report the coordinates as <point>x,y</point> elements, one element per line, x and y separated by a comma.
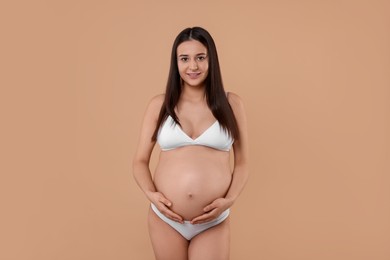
<point>192,182</point>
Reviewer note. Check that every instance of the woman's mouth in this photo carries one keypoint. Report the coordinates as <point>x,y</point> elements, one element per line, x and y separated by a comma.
<point>193,75</point>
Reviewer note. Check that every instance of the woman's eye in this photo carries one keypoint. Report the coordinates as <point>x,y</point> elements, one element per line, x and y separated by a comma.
<point>201,57</point>
<point>184,59</point>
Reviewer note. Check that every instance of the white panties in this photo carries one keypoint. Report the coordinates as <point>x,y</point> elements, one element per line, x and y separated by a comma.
<point>188,230</point>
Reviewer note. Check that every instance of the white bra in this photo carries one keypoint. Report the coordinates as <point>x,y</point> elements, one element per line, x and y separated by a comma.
<point>171,136</point>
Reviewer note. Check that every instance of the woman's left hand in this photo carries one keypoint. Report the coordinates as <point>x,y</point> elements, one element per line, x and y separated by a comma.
<point>213,210</point>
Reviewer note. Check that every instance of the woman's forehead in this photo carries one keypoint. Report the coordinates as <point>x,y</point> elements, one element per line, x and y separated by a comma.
<point>191,47</point>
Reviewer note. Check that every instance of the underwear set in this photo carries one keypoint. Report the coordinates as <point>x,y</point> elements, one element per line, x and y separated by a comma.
<point>171,136</point>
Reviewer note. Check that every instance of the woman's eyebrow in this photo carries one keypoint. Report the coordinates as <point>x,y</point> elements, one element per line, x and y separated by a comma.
<point>185,55</point>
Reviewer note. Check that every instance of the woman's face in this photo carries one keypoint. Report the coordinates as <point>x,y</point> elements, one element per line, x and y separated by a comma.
<point>193,62</point>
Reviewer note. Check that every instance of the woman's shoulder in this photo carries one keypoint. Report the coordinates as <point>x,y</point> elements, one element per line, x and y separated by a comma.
<point>156,101</point>
<point>234,99</point>
<point>154,106</point>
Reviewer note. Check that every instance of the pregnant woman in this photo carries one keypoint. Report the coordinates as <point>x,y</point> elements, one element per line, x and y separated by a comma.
<point>196,124</point>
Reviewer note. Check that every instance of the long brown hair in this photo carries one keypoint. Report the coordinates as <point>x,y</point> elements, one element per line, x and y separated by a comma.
<point>215,93</point>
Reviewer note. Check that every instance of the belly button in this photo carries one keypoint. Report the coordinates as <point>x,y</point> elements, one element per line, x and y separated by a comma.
<point>190,195</point>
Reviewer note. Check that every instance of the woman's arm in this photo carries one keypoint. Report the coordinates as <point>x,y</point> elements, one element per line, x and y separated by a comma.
<point>141,170</point>
<point>240,172</point>
<point>241,150</point>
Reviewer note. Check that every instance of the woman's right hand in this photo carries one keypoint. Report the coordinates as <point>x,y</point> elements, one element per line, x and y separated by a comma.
<point>163,205</point>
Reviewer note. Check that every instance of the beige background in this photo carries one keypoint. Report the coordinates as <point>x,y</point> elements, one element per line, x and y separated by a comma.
<point>76,77</point>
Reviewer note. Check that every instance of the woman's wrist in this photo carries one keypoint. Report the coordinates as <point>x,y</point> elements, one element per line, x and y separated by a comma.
<point>149,194</point>
<point>229,200</point>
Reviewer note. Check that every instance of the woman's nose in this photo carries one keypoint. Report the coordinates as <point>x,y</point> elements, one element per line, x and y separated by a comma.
<point>193,65</point>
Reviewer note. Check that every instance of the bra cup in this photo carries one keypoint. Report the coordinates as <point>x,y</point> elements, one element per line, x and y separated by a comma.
<point>171,136</point>
<point>216,138</point>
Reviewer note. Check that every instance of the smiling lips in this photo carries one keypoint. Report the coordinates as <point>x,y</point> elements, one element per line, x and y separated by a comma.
<point>193,75</point>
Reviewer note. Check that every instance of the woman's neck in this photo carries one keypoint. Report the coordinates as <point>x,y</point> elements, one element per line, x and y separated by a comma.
<point>193,94</point>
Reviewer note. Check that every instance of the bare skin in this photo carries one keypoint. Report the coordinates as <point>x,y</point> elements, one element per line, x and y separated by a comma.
<point>193,182</point>
<point>201,175</point>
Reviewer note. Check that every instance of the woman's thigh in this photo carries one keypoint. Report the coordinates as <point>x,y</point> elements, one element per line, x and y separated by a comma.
<point>167,243</point>
<point>211,244</point>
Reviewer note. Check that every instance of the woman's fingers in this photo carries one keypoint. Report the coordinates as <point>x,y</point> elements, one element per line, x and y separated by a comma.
<point>164,207</point>
<point>165,201</point>
<point>211,211</point>
<point>205,217</point>
<point>170,214</point>
<point>210,207</point>
<point>218,203</point>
